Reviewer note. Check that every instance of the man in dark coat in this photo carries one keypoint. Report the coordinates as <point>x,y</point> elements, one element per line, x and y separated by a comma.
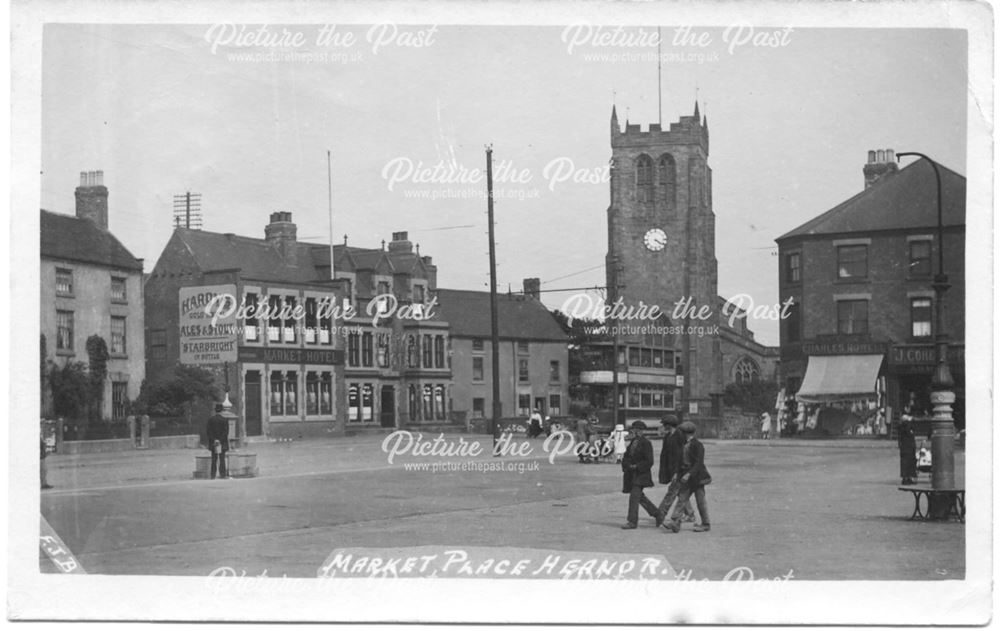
<point>907,441</point>
<point>671,453</point>
<point>693,478</point>
<point>637,466</point>
<point>217,431</point>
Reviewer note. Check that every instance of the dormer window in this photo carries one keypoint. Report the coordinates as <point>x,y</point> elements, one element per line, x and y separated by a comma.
<point>418,294</point>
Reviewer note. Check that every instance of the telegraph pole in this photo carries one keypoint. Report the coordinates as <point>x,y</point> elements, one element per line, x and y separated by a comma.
<point>494,328</point>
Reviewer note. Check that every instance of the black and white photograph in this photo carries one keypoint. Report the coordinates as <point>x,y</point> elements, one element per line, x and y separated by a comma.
<point>605,313</point>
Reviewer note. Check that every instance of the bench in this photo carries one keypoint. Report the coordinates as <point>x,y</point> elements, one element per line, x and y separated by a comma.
<point>955,499</point>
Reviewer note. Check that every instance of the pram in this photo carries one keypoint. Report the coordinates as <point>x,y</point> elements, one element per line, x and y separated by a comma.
<point>924,462</point>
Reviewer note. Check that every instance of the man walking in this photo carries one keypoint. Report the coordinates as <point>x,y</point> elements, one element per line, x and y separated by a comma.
<point>693,478</point>
<point>637,465</point>
<point>671,453</point>
<point>217,431</point>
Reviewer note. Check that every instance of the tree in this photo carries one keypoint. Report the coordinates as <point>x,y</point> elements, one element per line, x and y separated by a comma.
<point>175,395</point>
<point>97,352</point>
<point>71,390</point>
<point>753,397</point>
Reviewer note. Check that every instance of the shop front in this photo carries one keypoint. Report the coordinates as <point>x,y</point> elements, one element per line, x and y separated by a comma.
<point>910,370</point>
<point>840,395</point>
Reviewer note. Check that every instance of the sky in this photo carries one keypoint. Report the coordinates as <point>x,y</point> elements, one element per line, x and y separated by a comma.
<point>226,111</point>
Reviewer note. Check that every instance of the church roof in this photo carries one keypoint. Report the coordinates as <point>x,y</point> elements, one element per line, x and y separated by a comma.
<point>519,317</point>
<point>903,200</point>
<point>71,238</point>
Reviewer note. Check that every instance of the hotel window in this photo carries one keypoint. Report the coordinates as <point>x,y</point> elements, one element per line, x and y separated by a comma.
<point>312,394</point>
<point>920,317</point>
<point>158,344</point>
<point>324,310</point>
<point>412,351</point>
<point>644,178</point>
<point>64,282</point>
<point>274,322</point>
<point>428,403</point>
<point>310,321</point>
<point>367,402</point>
<point>478,407</point>
<point>852,317</point>
<point>326,393</point>
<point>554,373</point>
<point>118,292</point>
<point>439,351</point>
<point>284,388</point>
<point>119,399</point>
<point>477,369</point>
<point>353,403</point>
<point>522,370</point>
<point>118,336</point>
<point>793,267</point>
<point>920,258</point>
<point>852,261</point>
<point>382,350</point>
<point>418,294</point>
<point>291,394</point>
<point>478,345</point>
<point>555,404</point>
<point>793,323</point>
<point>353,350</point>
<point>439,407</point>
<point>251,327</point>
<point>289,321</point>
<point>428,352</point>
<point>367,358</point>
<point>348,292</point>
<point>522,348</point>
<point>383,287</point>
<point>524,404</point>
<point>414,407</point>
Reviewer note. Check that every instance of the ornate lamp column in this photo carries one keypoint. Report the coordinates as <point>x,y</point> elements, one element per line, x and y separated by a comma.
<point>942,395</point>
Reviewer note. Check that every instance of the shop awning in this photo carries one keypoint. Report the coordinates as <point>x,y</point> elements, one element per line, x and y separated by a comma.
<point>838,377</point>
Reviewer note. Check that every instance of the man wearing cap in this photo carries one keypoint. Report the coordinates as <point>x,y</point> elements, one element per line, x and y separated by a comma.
<point>671,454</point>
<point>693,478</point>
<point>217,432</point>
<point>637,465</point>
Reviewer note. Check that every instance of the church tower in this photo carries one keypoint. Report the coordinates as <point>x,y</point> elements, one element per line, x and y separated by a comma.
<point>661,245</point>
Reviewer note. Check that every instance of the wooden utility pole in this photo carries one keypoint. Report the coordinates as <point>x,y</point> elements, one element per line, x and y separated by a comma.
<point>494,328</point>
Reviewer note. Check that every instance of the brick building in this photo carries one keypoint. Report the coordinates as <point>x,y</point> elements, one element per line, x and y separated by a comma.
<point>532,352</point>
<point>860,275</point>
<point>92,285</point>
<point>661,250</point>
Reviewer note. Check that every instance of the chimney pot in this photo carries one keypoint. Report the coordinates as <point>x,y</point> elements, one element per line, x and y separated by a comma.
<point>871,157</point>
<point>890,155</point>
<point>881,156</point>
<point>92,198</point>
<point>532,288</point>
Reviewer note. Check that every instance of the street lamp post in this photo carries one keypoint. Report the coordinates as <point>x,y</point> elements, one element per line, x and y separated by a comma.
<point>942,395</point>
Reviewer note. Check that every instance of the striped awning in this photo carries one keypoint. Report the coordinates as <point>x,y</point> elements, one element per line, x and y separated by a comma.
<point>838,377</point>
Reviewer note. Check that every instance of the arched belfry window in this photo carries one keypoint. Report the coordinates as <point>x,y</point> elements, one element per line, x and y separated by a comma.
<point>668,178</point>
<point>644,178</point>
<point>746,370</point>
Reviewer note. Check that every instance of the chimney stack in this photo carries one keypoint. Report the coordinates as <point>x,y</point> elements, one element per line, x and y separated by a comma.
<point>400,242</point>
<point>881,163</point>
<point>92,198</point>
<point>532,288</point>
<point>281,233</point>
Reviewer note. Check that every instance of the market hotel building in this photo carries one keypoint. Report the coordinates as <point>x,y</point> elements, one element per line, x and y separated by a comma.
<point>860,277</point>
<point>322,373</point>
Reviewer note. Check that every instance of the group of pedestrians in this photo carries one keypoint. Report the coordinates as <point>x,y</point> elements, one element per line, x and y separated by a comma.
<point>682,469</point>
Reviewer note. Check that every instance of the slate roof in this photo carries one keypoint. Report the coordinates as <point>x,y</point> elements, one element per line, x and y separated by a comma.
<point>906,199</point>
<point>256,258</point>
<point>71,238</point>
<point>519,317</point>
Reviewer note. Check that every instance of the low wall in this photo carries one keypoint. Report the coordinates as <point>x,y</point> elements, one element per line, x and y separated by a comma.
<point>190,441</point>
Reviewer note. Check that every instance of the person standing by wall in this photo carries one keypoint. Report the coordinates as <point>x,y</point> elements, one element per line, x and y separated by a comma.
<point>637,465</point>
<point>217,431</point>
<point>694,477</point>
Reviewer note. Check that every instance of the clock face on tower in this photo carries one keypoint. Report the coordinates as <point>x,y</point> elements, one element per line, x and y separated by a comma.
<point>655,239</point>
